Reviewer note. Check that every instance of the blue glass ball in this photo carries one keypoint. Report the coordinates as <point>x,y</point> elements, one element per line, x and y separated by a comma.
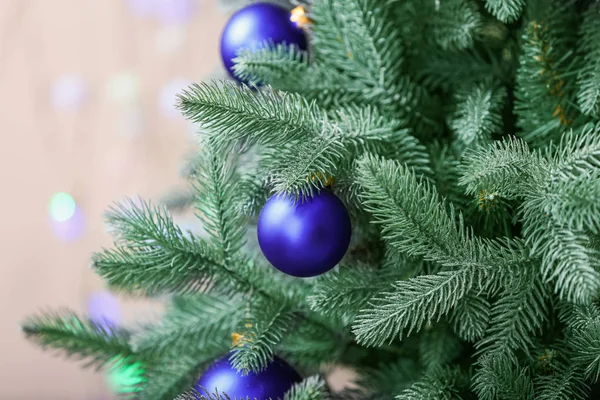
<point>252,25</point>
<point>272,382</point>
<point>306,237</point>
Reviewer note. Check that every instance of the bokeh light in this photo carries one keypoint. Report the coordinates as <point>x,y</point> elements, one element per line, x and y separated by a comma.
<point>71,229</point>
<point>125,376</point>
<point>141,8</point>
<point>123,89</point>
<point>104,309</point>
<point>174,11</point>
<point>131,123</point>
<point>62,207</point>
<point>168,96</point>
<point>165,11</point>
<point>68,92</point>
<point>169,39</point>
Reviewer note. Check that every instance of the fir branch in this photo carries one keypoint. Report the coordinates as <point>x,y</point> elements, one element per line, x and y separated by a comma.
<point>310,346</point>
<point>416,223</point>
<point>585,343</point>
<point>231,113</point>
<point>447,169</point>
<point>260,279</point>
<point>567,257</point>
<point>305,167</point>
<point>311,388</point>
<point>287,68</point>
<point>413,219</point>
<point>439,69</point>
<point>438,346</point>
<point>253,193</point>
<point>440,383</point>
<point>279,65</point>
<point>367,130</point>
<point>201,320</point>
<point>454,24</point>
<point>194,394</point>
<point>577,153</point>
<point>129,375</point>
<point>588,80</point>
<point>517,316</point>
<point>506,168</point>
<point>565,383</point>
<point>79,338</point>
<point>216,194</point>
<point>359,38</point>
<point>340,294</point>
<point>574,203</point>
<point>500,377</point>
<point>477,116</point>
<point>388,379</point>
<point>410,304</point>
<point>152,254</point>
<point>410,101</point>
<point>174,373</point>
<point>265,326</point>
<point>578,316</point>
<point>177,200</point>
<point>505,10</point>
<point>543,84</point>
<point>471,317</point>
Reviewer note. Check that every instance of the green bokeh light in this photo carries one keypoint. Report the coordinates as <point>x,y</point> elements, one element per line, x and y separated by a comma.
<point>125,376</point>
<point>62,207</point>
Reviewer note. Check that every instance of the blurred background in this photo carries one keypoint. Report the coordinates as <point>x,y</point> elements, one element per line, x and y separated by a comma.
<point>86,116</point>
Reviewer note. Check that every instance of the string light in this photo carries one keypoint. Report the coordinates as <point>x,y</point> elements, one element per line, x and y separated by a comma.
<point>62,207</point>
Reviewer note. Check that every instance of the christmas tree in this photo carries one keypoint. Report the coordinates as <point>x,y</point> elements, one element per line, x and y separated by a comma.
<point>462,138</point>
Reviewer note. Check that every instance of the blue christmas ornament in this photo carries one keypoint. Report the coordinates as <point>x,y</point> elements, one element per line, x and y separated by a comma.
<point>306,237</point>
<point>255,24</point>
<point>271,383</point>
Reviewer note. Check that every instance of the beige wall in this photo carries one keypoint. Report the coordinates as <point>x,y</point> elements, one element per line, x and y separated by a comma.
<point>85,153</point>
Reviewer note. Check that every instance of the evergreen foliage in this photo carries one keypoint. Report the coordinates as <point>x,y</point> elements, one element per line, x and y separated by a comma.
<point>589,74</point>
<point>463,137</point>
<point>79,338</point>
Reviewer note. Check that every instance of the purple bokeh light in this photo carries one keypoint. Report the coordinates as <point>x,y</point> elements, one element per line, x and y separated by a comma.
<point>104,309</point>
<point>71,229</point>
<point>174,11</point>
<point>168,96</point>
<point>68,92</point>
<point>142,8</point>
<point>165,11</point>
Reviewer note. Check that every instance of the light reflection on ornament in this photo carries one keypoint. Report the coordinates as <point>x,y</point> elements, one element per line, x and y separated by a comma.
<point>68,92</point>
<point>168,96</point>
<point>104,309</point>
<point>62,207</point>
<point>70,229</point>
